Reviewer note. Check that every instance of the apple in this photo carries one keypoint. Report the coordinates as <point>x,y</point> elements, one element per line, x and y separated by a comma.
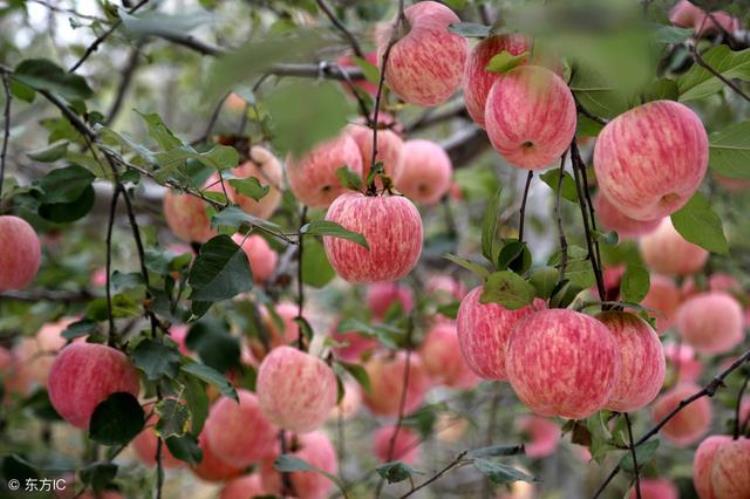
<point>717,22</point>
<point>685,14</point>
<point>730,472</point>
<point>405,446</point>
<point>350,403</point>
<point>315,449</point>
<point>649,161</point>
<point>426,172</point>
<point>244,487</point>
<point>445,288</point>
<point>99,277</point>
<point>718,281</point>
<point>20,253</point>
<point>478,80</point>
<point>347,61</point>
<point>711,322</point>
<point>105,370</point>
<point>296,390</point>
<point>312,178</point>
<point>390,149</point>
<point>682,359</point>
<point>265,167</point>
<point>666,252</point>
<point>441,355</point>
<point>611,218</point>
<point>652,488</point>
<point>426,65</point>
<point>381,296</point>
<point>239,434</point>
<point>278,334</point>
<point>186,217</point>
<point>261,257</point>
<point>543,436</point>
<point>663,298</point>
<point>642,364</point>
<point>392,227</point>
<point>703,462</point>
<point>355,345</point>
<point>36,355</point>
<point>691,423</point>
<point>386,372</point>
<point>530,117</point>
<point>562,363</point>
<point>211,468</point>
<point>178,333</point>
<point>483,332</point>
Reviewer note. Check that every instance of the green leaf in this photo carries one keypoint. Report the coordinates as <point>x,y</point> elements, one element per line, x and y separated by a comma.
<point>316,271</point>
<point>515,256</point>
<point>155,23</point>
<point>69,212</point>
<point>211,339</point>
<point>174,418</point>
<point>476,268</point>
<point>358,373</point>
<point>79,328</point>
<point>65,185</point>
<point>544,280</point>
<point>568,189</point>
<point>16,467</point>
<point>501,473</point>
<point>50,153</point>
<point>297,102</point>
<point>332,229</point>
<point>212,377</point>
<point>233,217</point>
<point>98,475</point>
<point>508,289</point>
<point>43,74</point>
<point>672,34</point>
<point>471,30</point>
<point>159,132</point>
<point>395,471</point>
<point>249,186</point>
<point>156,360</point>
<point>729,151</point>
<point>386,334</point>
<point>221,271</point>
<point>644,453</point>
<point>596,94</point>
<point>489,227</point>
<point>635,283</point>
<point>370,70</point>
<point>698,223</point>
<point>21,91</point>
<point>117,420</point>
<point>449,310</point>
<point>185,448</point>
<point>580,273</point>
<point>123,306</point>
<point>699,82</point>
<point>661,89</point>
<point>196,398</point>
<point>505,61</point>
<point>288,463</point>
<point>349,179</point>
<point>496,451</point>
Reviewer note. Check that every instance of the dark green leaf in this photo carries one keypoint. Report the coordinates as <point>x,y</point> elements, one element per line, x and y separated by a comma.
<point>50,153</point>
<point>358,373</point>
<point>98,475</point>
<point>156,360</point>
<point>42,74</point>
<point>580,273</point>
<point>661,89</point>
<point>216,347</point>
<point>730,151</point>
<point>395,471</point>
<point>77,329</point>
<point>449,310</point>
<point>212,377</point>
<point>21,91</point>
<point>514,255</point>
<point>185,448</point>
<point>508,289</point>
<point>117,420</point>
<point>174,418</point>
<point>489,227</point>
<point>332,229</point>
<point>233,217</point>
<point>635,283</point>
<point>544,280</point>
<point>370,70</point>
<point>644,453</point>
<point>159,132</point>
<point>197,401</point>
<point>501,473</point>
<point>496,451</point>
<point>65,185</point>
<point>698,223</point>
<point>698,82</point>
<point>16,467</point>
<point>567,190</point>
<point>288,463</point>
<point>221,271</point>
<point>69,212</point>
<point>249,186</point>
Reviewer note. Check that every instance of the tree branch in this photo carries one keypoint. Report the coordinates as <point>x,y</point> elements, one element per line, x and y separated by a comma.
<point>633,455</point>
<point>52,295</point>
<point>340,26</point>
<point>6,133</point>
<point>558,213</point>
<point>698,58</point>
<point>522,213</point>
<point>437,475</point>
<point>127,77</point>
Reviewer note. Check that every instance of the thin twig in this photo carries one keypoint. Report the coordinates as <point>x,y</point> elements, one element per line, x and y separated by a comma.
<point>738,407</point>
<point>287,487</point>
<point>490,432</point>
<point>127,78</point>
<point>300,276</point>
<point>340,26</point>
<point>633,456</point>
<point>110,225</point>
<point>212,121</point>
<point>698,58</point>
<point>51,295</point>
<point>6,133</point>
<point>560,227</point>
<point>72,12</point>
<point>437,475</point>
<point>100,39</point>
<point>522,212</point>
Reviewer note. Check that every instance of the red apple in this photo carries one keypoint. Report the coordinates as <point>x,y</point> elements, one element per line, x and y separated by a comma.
<point>663,299</point>
<point>530,117</point>
<point>684,14</point>
<point>478,79</point>
<point>262,258</point>
<point>312,177</point>
<point>105,370</point>
<point>239,433</point>
<point>483,332</point>
<point>426,65</point>
<point>315,449</point>
<point>296,390</point>
<point>381,296</point>
<point>683,362</point>
<point>562,363</point>
<point>543,436</point>
<point>350,403</point>
<point>611,218</point>
<point>187,218</point>
<point>354,345</point>
<point>642,364</point>
<point>346,61</point>
<point>390,149</point>
<point>20,253</point>
<point>211,468</point>
<point>392,227</point>
<point>711,322</point>
<point>442,359</point>
<point>650,160</point>
<point>666,252</point>
<point>717,22</point>
<point>691,423</point>
<point>703,462</point>
<point>652,488</point>
<point>718,281</point>
<point>426,172</point>
<point>178,333</point>
<point>278,334</point>
<point>36,355</point>
<point>244,487</point>
<point>730,473</point>
<point>386,372</point>
<point>405,446</point>
<point>265,167</point>
<point>99,277</point>
<point>445,288</point>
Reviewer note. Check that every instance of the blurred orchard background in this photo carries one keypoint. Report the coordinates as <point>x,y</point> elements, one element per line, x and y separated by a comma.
<point>123,124</point>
